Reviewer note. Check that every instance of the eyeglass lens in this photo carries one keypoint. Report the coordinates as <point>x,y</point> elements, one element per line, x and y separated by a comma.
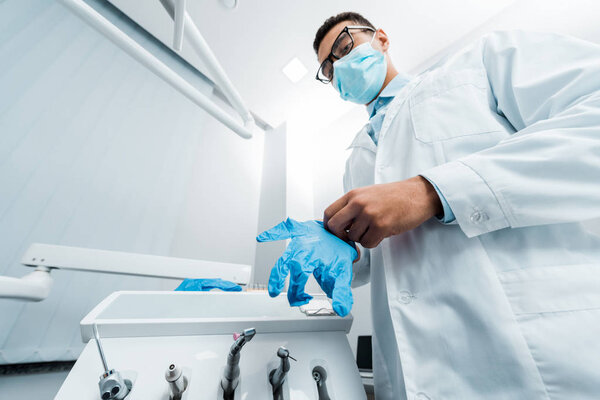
<point>341,47</point>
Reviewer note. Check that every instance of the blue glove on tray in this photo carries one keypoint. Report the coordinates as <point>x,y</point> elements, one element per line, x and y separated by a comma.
<point>204,285</point>
<point>313,250</point>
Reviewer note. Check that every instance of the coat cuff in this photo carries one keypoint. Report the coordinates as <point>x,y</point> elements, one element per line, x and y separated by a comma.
<point>361,270</point>
<point>448,216</point>
<point>474,204</point>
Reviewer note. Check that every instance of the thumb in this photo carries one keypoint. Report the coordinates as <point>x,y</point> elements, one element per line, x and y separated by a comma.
<point>280,231</point>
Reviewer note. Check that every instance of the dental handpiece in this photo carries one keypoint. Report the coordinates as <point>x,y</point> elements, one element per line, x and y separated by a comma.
<point>278,375</point>
<point>231,373</point>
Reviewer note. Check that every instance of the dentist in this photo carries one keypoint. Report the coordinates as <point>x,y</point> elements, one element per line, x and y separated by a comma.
<point>465,190</point>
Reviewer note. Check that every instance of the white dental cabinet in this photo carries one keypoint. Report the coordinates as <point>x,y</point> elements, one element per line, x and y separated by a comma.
<point>145,334</point>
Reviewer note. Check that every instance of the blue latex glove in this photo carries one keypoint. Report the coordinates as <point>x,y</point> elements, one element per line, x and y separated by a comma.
<point>312,250</point>
<point>204,285</point>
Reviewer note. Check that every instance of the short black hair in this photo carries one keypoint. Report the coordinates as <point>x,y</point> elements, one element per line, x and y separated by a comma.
<point>336,19</point>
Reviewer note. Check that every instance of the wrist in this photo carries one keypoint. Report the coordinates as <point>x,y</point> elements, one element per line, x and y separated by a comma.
<point>432,205</point>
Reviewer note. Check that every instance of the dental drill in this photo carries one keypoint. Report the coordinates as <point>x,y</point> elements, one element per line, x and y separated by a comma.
<point>277,376</point>
<point>231,373</point>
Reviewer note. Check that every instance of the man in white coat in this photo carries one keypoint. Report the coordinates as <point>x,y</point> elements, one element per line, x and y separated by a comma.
<point>466,190</point>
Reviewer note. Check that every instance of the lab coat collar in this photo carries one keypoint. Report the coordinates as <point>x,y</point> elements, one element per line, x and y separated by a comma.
<point>362,139</point>
<point>388,92</point>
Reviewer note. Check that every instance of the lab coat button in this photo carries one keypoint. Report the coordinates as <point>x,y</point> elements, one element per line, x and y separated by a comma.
<point>422,396</point>
<point>478,216</point>
<point>405,297</point>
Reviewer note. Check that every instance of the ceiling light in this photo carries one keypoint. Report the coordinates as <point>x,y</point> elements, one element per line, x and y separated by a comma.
<point>295,70</point>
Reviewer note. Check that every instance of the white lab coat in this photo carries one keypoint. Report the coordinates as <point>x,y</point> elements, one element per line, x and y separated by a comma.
<point>504,303</point>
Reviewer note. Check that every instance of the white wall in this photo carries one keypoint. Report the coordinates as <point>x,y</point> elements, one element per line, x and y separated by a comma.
<point>272,201</point>
<point>96,151</point>
<point>219,218</point>
<point>577,18</point>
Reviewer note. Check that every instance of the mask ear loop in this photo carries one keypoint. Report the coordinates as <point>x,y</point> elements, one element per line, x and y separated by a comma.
<point>373,38</point>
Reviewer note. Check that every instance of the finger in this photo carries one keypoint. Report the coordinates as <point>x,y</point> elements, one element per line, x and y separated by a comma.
<point>278,232</point>
<point>298,278</point>
<point>325,281</point>
<point>371,238</point>
<point>334,208</point>
<point>342,300</point>
<point>342,220</point>
<point>278,273</point>
<point>342,293</point>
<point>358,229</point>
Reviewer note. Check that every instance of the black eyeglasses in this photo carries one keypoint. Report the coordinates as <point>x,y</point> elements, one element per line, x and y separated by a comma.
<point>341,47</point>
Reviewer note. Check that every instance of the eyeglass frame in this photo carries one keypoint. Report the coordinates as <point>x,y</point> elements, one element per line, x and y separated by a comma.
<point>332,56</point>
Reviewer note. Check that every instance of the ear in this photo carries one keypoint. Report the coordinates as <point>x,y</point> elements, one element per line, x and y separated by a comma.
<point>382,40</point>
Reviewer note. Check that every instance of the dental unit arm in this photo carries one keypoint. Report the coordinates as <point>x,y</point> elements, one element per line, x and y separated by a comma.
<point>44,258</point>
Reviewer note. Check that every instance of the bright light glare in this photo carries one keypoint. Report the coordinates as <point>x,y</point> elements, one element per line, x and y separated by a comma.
<point>295,70</point>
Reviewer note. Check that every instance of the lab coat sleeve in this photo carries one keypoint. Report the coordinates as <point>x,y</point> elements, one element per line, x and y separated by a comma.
<point>361,270</point>
<point>548,88</point>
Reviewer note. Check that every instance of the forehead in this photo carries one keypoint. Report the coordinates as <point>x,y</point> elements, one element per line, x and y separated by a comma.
<point>327,42</point>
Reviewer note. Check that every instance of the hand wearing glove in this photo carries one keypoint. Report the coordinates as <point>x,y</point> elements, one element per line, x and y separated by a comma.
<point>312,250</point>
<point>204,285</point>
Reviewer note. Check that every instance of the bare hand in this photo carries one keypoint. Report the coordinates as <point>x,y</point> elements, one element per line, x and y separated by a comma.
<point>369,214</point>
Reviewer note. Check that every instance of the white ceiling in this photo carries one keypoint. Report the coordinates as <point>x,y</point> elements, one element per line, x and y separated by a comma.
<point>257,39</point>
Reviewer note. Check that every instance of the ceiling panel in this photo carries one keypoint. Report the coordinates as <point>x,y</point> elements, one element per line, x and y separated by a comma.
<point>257,39</point>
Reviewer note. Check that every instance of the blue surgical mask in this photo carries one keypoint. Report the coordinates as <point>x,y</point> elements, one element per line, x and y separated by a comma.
<point>359,75</point>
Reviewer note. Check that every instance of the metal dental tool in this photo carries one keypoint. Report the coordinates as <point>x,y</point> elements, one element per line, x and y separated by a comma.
<point>177,382</point>
<point>112,385</point>
<point>231,373</point>
<point>277,376</point>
